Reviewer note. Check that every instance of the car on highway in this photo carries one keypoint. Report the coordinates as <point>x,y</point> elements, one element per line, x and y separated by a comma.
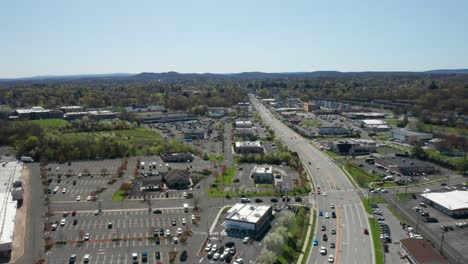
<point>324,228</point>
<point>324,193</point>
<point>327,215</point>
<point>332,206</point>
<point>332,245</point>
<point>325,237</point>
<point>333,232</point>
<point>333,214</point>
<point>63,222</point>
<point>320,213</point>
<point>323,250</point>
<point>78,198</point>
<point>366,232</point>
<point>331,259</point>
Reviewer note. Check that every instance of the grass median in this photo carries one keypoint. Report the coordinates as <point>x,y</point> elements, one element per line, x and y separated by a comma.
<point>378,247</point>
<point>119,195</point>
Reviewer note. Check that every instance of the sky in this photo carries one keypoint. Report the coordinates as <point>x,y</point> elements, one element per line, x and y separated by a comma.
<point>89,37</point>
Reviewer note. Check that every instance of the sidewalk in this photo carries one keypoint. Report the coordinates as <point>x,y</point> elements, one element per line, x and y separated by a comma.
<point>19,240</point>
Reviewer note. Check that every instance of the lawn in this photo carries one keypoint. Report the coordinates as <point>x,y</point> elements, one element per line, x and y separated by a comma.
<point>49,123</point>
<point>437,155</point>
<point>119,195</point>
<point>293,245</point>
<point>378,247</point>
<point>311,238</point>
<point>311,123</point>
<point>368,202</point>
<point>331,153</point>
<point>404,196</point>
<point>226,178</point>
<point>392,122</point>
<point>436,128</point>
<point>218,193</point>
<point>383,136</point>
<point>361,177</point>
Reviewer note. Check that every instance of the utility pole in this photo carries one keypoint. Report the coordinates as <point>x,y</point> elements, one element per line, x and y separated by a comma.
<point>442,242</point>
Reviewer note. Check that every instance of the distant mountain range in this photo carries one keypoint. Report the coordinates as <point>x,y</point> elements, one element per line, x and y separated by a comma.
<point>168,76</point>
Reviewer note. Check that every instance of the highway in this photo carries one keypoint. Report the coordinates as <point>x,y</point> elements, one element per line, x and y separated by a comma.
<point>352,246</point>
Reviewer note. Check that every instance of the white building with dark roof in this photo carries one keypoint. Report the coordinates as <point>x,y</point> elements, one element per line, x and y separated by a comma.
<point>246,147</point>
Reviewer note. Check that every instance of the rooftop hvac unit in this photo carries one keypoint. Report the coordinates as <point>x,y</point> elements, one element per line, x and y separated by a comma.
<point>257,215</point>
<point>252,207</point>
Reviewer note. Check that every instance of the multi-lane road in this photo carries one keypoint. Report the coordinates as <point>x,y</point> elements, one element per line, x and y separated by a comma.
<point>352,245</point>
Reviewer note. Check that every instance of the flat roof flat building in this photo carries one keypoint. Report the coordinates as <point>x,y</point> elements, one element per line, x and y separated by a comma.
<point>248,220</point>
<point>454,203</point>
<point>243,124</point>
<point>246,147</point>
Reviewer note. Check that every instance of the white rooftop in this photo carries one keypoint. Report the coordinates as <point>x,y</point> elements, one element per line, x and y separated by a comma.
<point>8,174</point>
<point>454,200</point>
<point>263,169</point>
<point>247,212</point>
<point>374,122</point>
<point>249,144</point>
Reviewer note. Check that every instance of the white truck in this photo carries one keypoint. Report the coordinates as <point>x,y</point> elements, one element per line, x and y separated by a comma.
<point>186,208</point>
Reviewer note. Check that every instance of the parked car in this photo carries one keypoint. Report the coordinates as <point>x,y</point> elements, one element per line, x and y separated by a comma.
<point>183,256</point>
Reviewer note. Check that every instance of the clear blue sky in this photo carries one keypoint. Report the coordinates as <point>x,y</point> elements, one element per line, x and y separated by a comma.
<point>59,37</point>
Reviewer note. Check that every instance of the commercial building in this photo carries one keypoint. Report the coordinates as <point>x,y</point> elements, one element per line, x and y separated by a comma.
<point>364,115</point>
<point>142,108</point>
<point>405,166</point>
<point>375,125</point>
<point>194,134</point>
<point>167,118</point>
<point>309,107</point>
<point>101,115</point>
<point>355,147</point>
<point>418,251</point>
<point>34,113</point>
<point>244,132</point>
<point>10,174</point>
<point>71,109</point>
<point>408,136</point>
<point>74,115</point>
<point>177,179</point>
<point>454,203</point>
<point>263,174</point>
<point>177,156</point>
<point>243,124</point>
<point>248,220</point>
<point>246,147</point>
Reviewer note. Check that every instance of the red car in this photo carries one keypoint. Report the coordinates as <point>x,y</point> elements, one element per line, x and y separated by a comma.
<point>74,213</point>
<point>318,192</point>
<point>366,232</point>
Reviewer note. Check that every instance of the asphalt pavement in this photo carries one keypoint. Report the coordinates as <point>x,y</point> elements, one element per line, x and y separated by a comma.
<point>352,246</point>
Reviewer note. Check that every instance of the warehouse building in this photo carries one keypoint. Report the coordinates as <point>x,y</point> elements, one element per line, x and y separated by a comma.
<point>101,115</point>
<point>454,203</point>
<point>364,115</point>
<point>71,109</point>
<point>248,220</point>
<point>411,137</point>
<point>35,113</point>
<point>177,156</point>
<point>244,132</point>
<point>246,147</point>
<point>405,166</point>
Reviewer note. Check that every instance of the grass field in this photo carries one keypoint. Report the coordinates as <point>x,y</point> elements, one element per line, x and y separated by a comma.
<point>368,202</point>
<point>360,176</point>
<point>119,195</point>
<point>218,193</point>
<point>293,245</point>
<point>49,123</point>
<point>228,176</point>
<point>378,247</point>
<point>311,238</point>
<point>331,153</point>
<point>436,128</point>
<point>404,196</point>
<point>311,123</point>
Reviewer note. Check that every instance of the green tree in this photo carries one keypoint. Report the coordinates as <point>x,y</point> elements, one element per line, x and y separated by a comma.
<point>418,152</point>
<point>266,257</point>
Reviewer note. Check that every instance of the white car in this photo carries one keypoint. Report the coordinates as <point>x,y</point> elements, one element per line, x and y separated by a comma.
<point>89,198</point>
<point>323,250</point>
<point>64,190</point>
<point>179,231</point>
<point>246,240</point>
<point>54,227</point>
<point>208,247</point>
<point>184,222</point>
<point>214,247</point>
<point>239,261</point>
<point>324,193</point>
<point>78,198</point>
<point>332,206</point>
<point>327,215</point>
<point>58,168</point>
<point>168,232</point>
<point>63,222</point>
<point>331,259</point>
<point>216,256</point>
<point>86,258</point>
<point>86,236</point>
<point>175,240</point>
